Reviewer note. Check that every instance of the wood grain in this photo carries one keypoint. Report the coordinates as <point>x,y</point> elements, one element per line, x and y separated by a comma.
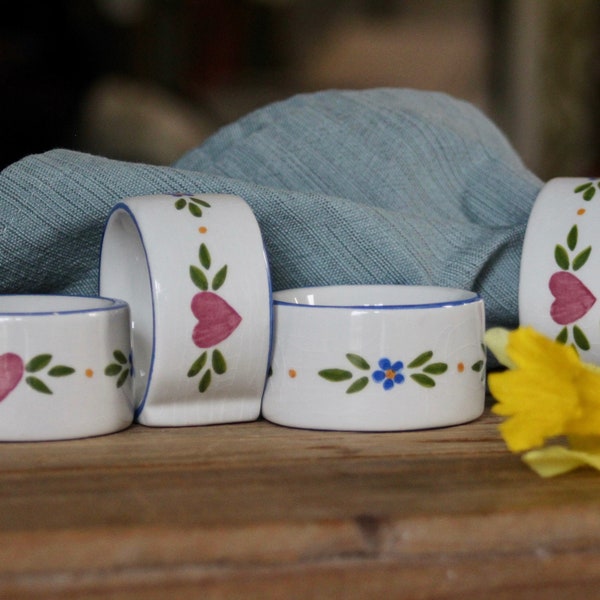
<point>259,511</point>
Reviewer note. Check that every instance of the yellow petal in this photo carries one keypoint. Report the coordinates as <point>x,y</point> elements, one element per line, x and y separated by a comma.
<point>528,348</point>
<point>496,339</point>
<point>537,407</point>
<point>556,460</point>
<point>586,421</point>
<point>547,392</point>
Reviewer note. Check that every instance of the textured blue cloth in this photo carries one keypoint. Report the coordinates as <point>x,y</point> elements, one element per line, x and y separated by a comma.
<point>377,186</point>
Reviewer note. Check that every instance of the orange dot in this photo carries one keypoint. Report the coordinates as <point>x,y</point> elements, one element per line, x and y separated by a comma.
<point>202,229</point>
<point>581,211</point>
<point>89,372</point>
<point>460,367</point>
<point>292,373</point>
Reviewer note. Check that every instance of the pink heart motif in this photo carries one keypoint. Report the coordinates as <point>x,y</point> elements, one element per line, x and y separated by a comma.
<point>11,371</point>
<point>217,320</point>
<point>573,299</point>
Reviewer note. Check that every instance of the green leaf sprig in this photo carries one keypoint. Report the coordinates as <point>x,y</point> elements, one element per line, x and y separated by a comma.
<point>425,377</point>
<point>561,254</point>
<point>199,275</point>
<point>218,366</point>
<point>36,365</point>
<point>343,374</point>
<point>587,190</point>
<point>194,205</point>
<point>121,368</point>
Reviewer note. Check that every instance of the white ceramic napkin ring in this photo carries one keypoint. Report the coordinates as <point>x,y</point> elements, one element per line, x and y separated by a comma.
<point>559,282</point>
<point>194,272</point>
<point>376,358</point>
<point>65,367</point>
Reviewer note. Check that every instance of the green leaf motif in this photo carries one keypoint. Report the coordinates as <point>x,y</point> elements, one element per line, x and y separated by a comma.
<point>561,257</point>
<point>37,363</point>
<point>563,336</point>
<point>197,365</point>
<point>581,258</point>
<point>61,371</point>
<point>179,204</point>
<point>478,366</point>
<point>112,369</point>
<point>123,378</point>
<point>204,256</point>
<point>421,360</point>
<point>195,210</point>
<point>38,385</point>
<point>423,380</point>
<point>358,361</point>
<point>219,364</point>
<point>589,193</point>
<point>120,357</point>
<point>580,338</point>
<point>205,381</point>
<point>199,278</point>
<point>201,202</point>
<point>219,278</point>
<point>358,385</point>
<point>335,374</point>
<point>436,368</point>
<point>583,186</point>
<point>572,237</point>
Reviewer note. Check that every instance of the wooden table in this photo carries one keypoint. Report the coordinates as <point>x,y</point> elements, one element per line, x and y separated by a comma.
<point>259,511</point>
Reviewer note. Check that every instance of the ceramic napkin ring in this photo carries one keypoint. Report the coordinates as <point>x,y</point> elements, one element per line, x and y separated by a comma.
<point>560,266</point>
<point>376,358</point>
<point>65,367</point>
<point>194,271</point>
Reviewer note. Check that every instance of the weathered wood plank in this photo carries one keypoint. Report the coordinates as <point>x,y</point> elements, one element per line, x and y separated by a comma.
<point>254,509</point>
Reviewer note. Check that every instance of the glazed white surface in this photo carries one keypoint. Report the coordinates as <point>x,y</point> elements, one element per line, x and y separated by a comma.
<point>561,301</point>
<point>149,251</point>
<point>54,351</point>
<point>310,340</point>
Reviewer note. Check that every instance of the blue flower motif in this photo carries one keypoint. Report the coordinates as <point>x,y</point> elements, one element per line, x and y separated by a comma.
<point>389,374</point>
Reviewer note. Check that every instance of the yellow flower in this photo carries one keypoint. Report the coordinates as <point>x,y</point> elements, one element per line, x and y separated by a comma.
<point>555,460</point>
<point>546,392</point>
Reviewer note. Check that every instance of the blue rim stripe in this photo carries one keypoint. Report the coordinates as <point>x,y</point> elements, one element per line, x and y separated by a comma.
<point>424,305</point>
<point>116,304</point>
<point>140,406</point>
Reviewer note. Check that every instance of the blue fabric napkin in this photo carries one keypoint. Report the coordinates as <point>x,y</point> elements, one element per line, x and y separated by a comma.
<point>349,187</point>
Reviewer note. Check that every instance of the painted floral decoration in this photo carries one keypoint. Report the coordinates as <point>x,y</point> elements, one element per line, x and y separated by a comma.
<point>13,368</point>
<point>193,204</point>
<point>572,297</point>
<point>588,189</point>
<point>550,400</point>
<point>40,370</point>
<point>121,368</point>
<point>389,374</point>
<point>216,319</point>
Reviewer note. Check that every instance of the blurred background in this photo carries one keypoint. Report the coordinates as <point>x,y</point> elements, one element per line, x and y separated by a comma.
<point>146,80</point>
